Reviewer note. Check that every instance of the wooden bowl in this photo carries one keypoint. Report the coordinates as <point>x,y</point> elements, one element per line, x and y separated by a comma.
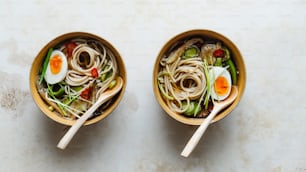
<point>235,56</point>
<point>38,62</point>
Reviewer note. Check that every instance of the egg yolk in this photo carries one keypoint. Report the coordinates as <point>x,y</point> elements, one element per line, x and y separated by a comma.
<point>56,64</point>
<point>221,86</point>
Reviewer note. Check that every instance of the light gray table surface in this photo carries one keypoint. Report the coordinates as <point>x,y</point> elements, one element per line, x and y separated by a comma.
<point>266,132</point>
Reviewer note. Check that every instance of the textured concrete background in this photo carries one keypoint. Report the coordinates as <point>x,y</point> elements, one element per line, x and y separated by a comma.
<point>266,132</point>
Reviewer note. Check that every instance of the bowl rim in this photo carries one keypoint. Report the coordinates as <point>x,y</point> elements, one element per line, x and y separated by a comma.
<point>39,59</point>
<point>241,82</point>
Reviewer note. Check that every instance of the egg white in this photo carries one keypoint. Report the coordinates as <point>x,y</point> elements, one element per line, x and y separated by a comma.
<point>214,73</point>
<point>56,78</point>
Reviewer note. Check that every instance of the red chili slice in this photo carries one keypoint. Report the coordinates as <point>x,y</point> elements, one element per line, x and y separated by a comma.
<point>70,46</point>
<point>218,53</point>
<point>94,72</point>
<point>86,93</point>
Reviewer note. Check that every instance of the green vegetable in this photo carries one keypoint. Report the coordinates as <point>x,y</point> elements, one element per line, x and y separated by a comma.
<point>103,77</point>
<point>45,65</point>
<point>189,110</point>
<point>77,88</point>
<point>106,75</point>
<point>66,101</point>
<point>191,52</point>
<point>112,84</point>
<point>69,100</point>
<point>197,109</point>
<point>57,90</point>
<point>193,108</point>
<point>218,61</point>
<point>51,93</point>
<point>232,70</point>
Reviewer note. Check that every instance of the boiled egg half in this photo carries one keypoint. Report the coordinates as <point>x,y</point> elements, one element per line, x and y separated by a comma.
<point>57,67</point>
<point>221,83</point>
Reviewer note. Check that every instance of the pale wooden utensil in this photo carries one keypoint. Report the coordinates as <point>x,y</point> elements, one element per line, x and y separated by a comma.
<point>200,131</point>
<point>104,97</point>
